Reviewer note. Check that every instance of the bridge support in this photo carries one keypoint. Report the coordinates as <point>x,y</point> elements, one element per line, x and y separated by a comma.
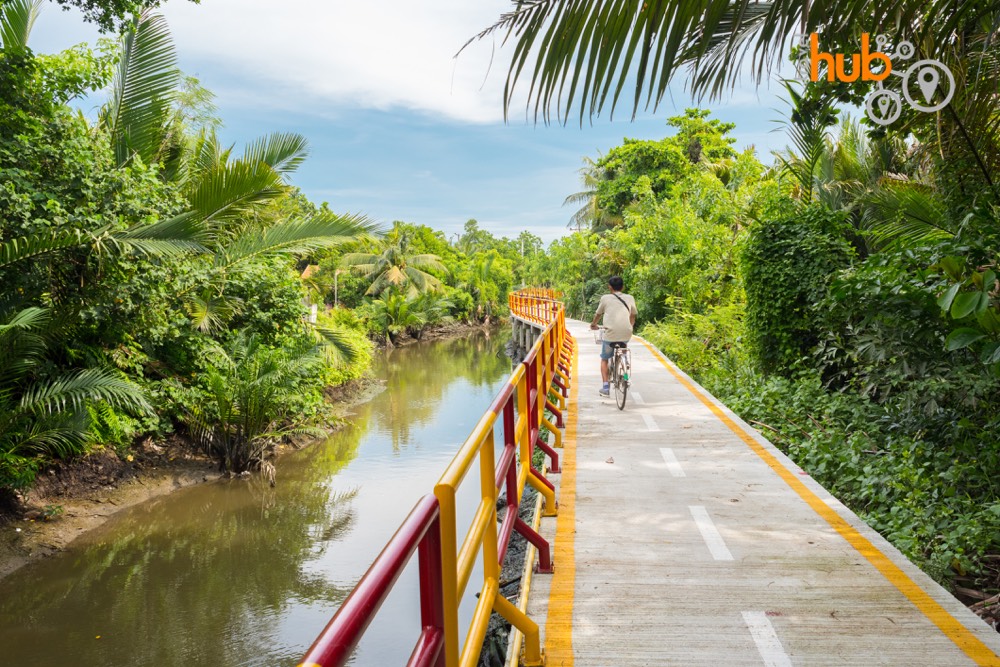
<point>525,333</point>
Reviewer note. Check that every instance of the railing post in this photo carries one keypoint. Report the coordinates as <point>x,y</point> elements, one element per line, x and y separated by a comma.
<point>449,572</point>
<point>431,602</point>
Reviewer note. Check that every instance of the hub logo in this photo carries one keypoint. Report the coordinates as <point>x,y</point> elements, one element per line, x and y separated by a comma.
<point>927,84</point>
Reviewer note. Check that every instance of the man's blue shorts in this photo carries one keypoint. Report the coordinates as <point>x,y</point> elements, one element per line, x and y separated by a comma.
<point>608,349</point>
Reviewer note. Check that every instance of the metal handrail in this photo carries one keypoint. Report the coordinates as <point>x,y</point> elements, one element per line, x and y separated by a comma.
<point>421,532</point>
<point>431,527</point>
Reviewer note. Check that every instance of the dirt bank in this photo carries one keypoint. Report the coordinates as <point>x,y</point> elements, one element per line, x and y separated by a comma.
<point>72,498</point>
<point>453,330</point>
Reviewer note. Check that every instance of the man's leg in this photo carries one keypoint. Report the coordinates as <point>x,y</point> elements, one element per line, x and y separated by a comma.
<point>606,353</point>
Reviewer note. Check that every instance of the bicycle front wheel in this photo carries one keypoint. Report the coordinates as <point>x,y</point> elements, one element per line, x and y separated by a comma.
<point>621,380</point>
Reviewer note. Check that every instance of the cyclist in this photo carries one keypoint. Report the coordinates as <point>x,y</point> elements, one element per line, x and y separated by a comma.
<point>619,312</point>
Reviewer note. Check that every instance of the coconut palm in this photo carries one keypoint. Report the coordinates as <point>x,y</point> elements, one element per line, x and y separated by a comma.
<point>392,313</point>
<point>590,214</point>
<point>394,266</point>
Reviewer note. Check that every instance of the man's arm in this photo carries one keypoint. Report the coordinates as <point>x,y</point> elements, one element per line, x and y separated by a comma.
<point>597,315</point>
<point>632,314</point>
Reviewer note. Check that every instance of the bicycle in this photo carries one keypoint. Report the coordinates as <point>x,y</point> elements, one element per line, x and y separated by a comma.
<point>619,367</point>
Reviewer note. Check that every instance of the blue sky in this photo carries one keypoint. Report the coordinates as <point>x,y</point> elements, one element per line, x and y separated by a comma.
<point>398,128</point>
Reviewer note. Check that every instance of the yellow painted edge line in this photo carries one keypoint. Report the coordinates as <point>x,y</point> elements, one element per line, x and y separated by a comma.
<point>931,608</point>
<point>516,636</point>
<point>559,623</point>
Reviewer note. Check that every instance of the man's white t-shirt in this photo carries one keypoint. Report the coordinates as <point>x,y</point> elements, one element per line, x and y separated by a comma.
<point>616,316</point>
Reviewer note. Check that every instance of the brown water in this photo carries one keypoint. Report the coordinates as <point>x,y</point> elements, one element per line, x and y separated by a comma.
<point>238,573</point>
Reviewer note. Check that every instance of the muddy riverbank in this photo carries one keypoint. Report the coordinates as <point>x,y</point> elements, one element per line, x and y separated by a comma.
<point>73,498</point>
<point>70,499</point>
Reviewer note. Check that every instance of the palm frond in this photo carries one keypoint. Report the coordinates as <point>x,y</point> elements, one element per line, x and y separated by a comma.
<point>21,345</point>
<point>338,345</point>
<point>586,53</point>
<point>363,262</point>
<point>227,191</point>
<point>27,247</point>
<point>421,280</point>
<point>903,213</point>
<point>296,237</point>
<point>180,235</point>
<point>143,90</point>
<point>73,391</point>
<point>283,152</point>
<point>17,17</point>
<point>26,320</point>
<point>427,261</point>
<point>211,312</point>
<point>62,435</point>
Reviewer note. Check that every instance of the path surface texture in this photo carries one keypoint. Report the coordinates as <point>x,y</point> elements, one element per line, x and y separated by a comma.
<point>685,538</point>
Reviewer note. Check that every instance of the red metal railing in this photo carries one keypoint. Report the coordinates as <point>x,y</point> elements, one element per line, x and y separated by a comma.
<point>431,529</point>
<point>420,531</point>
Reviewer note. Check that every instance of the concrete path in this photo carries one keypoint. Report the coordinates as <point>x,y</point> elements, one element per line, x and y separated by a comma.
<point>685,538</point>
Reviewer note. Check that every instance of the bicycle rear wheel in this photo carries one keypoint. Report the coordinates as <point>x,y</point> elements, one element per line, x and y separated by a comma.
<point>621,381</point>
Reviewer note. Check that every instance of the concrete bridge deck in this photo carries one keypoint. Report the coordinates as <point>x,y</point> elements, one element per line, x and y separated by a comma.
<point>685,538</point>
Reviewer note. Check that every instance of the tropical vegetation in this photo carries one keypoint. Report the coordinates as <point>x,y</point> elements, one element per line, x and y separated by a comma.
<point>158,281</point>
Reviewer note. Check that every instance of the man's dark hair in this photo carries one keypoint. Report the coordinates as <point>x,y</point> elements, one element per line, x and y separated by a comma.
<point>616,283</point>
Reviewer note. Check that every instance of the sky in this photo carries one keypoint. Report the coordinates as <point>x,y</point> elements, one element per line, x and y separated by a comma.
<point>399,128</point>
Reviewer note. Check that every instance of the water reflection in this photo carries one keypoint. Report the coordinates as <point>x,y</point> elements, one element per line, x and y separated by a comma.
<point>237,573</point>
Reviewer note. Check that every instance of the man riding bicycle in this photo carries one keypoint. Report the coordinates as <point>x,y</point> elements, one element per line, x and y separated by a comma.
<point>619,312</point>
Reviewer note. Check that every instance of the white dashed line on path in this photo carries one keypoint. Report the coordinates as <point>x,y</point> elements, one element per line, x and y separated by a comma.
<point>768,644</point>
<point>673,465</point>
<point>713,539</point>
<point>651,425</point>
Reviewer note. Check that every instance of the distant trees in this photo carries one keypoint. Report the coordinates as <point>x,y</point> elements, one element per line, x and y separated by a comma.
<point>395,265</point>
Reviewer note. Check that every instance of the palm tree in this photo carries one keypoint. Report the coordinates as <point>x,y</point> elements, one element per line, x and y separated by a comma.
<point>226,195</point>
<point>248,407</point>
<point>392,313</point>
<point>590,214</point>
<point>394,266</point>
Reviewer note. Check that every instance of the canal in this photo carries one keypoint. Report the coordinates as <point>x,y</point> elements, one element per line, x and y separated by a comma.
<point>238,573</point>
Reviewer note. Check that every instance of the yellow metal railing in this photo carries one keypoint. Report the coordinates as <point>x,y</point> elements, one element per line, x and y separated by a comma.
<point>518,413</point>
<point>521,407</point>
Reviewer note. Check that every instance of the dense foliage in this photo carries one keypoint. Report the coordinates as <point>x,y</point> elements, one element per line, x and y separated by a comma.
<point>156,281</point>
<point>846,300</point>
<point>136,252</point>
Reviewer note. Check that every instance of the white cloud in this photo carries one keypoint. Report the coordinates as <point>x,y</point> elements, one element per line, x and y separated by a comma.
<point>381,55</point>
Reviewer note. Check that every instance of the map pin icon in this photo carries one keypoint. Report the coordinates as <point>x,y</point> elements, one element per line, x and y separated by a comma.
<point>883,105</point>
<point>927,79</point>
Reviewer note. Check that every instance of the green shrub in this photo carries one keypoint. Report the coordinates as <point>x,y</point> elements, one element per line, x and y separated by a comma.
<point>787,265</point>
<point>700,343</point>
